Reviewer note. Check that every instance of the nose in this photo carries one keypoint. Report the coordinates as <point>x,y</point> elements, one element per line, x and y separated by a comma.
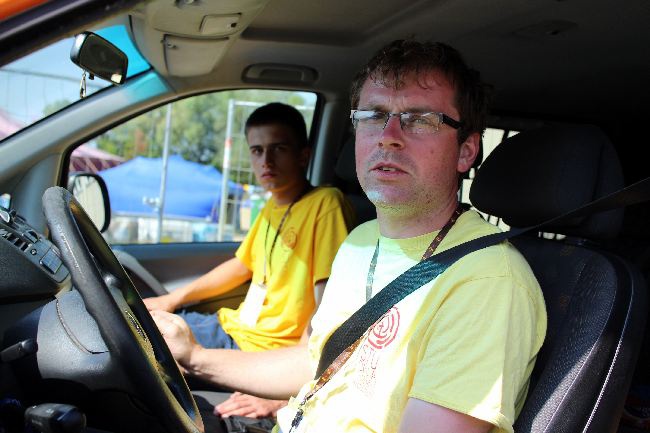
<point>268,157</point>
<point>392,135</point>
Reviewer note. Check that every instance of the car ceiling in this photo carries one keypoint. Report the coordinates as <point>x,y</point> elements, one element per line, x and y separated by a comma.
<point>563,58</point>
<point>550,57</point>
<point>569,59</point>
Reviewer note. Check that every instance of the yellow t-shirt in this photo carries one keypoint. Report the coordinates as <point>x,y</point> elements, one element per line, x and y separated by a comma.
<point>466,341</point>
<point>305,248</point>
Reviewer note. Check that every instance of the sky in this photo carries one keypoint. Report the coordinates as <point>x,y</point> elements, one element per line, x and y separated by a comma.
<point>46,76</point>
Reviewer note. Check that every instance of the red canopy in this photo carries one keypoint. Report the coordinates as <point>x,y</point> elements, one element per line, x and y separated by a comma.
<point>8,125</point>
<point>90,159</point>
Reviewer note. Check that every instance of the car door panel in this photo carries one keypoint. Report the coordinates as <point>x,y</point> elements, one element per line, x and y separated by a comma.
<point>176,264</point>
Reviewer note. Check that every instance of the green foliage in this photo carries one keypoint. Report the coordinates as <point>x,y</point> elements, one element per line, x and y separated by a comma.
<point>55,106</point>
<point>198,129</point>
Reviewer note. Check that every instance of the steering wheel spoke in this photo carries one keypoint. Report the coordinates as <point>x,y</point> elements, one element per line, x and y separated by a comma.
<point>123,320</point>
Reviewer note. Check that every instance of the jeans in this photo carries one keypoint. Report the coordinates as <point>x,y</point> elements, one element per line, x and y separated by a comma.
<point>208,331</point>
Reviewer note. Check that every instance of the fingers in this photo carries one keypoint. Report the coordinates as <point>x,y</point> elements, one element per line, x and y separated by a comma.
<point>166,322</point>
<point>226,410</point>
<point>159,303</point>
<point>177,335</point>
<point>164,315</point>
<point>150,303</point>
<point>236,404</point>
<point>247,405</point>
<point>168,319</point>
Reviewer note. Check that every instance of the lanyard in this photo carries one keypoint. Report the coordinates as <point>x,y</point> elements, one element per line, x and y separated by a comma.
<point>345,355</point>
<point>428,253</point>
<point>277,233</point>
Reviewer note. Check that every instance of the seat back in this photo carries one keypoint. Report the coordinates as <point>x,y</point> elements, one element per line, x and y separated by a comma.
<point>345,169</point>
<point>595,300</point>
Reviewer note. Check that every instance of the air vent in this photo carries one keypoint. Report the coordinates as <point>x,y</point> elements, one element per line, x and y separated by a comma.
<point>16,240</point>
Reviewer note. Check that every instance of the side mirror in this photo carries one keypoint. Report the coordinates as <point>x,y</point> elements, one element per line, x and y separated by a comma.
<point>99,58</point>
<point>90,191</point>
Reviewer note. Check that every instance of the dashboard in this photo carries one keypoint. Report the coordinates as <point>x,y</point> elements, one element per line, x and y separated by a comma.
<point>31,265</point>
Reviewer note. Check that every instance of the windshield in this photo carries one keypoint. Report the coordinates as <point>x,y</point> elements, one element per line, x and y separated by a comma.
<point>47,81</point>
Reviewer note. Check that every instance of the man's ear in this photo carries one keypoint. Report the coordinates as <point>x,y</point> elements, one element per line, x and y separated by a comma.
<point>468,152</point>
<point>304,156</point>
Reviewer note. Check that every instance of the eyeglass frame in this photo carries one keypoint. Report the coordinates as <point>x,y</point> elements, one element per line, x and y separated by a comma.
<point>442,117</point>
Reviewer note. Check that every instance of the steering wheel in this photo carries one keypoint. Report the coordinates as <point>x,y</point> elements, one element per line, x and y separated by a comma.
<point>123,320</point>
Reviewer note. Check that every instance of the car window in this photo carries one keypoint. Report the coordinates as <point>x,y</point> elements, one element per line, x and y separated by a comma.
<point>47,81</point>
<point>181,172</point>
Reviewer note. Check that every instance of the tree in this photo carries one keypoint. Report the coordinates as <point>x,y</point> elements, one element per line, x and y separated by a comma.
<point>198,128</point>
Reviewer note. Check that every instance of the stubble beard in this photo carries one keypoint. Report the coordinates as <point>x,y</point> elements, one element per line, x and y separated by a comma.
<point>408,203</point>
<point>394,203</point>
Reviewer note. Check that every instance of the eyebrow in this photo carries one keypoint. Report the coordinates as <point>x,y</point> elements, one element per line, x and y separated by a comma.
<point>382,108</point>
<point>278,143</point>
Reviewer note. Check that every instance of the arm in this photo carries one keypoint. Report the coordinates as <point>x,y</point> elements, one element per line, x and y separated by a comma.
<point>319,289</point>
<point>255,407</point>
<point>422,417</point>
<point>219,280</point>
<point>272,374</point>
<point>292,366</point>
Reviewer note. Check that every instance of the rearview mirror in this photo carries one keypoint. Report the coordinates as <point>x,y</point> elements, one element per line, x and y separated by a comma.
<point>99,57</point>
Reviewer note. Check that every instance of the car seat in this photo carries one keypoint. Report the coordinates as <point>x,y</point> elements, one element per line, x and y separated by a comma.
<point>633,244</point>
<point>595,300</point>
<point>345,169</point>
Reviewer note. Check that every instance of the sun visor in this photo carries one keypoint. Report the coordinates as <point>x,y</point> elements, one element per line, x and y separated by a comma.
<point>186,57</point>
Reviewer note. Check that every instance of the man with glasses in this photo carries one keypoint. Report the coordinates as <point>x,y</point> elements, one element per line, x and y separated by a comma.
<point>455,355</point>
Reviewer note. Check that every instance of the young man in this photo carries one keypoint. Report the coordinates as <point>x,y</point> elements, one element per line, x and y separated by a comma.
<point>287,254</point>
<point>454,356</point>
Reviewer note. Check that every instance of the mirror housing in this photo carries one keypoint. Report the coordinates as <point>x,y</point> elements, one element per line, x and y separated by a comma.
<point>99,57</point>
<point>91,192</point>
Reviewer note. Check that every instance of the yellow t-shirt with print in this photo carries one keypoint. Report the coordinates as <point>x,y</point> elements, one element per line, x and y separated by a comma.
<point>466,341</point>
<point>303,253</point>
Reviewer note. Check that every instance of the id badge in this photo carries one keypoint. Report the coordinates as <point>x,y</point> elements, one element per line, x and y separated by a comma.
<point>253,303</point>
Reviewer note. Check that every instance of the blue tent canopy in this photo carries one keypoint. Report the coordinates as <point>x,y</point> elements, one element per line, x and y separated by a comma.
<point>192,189</point>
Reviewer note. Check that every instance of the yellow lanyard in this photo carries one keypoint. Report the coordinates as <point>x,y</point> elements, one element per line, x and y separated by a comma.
<point>277,233</point>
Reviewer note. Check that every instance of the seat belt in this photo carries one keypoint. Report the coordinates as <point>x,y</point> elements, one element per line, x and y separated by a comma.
<point>423,272</point>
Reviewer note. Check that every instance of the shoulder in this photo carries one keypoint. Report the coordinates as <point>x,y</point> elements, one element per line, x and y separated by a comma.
<point>325,193</point>
<point>364,234</point>
<point>500,261</point>
<point>325,198</point>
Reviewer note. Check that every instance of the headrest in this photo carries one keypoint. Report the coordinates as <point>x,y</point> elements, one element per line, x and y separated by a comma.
<point>345,167</point>
<point>543,173</point>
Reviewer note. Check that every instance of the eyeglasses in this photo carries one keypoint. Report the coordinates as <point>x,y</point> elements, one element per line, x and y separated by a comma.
<point>371,121</point>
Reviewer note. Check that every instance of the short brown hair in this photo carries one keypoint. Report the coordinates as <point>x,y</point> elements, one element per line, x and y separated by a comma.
<point>402,57</point>
<point>280,114</point>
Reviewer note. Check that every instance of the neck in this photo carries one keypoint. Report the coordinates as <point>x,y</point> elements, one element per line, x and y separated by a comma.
<point>290,193</point>
<point>396,225</point>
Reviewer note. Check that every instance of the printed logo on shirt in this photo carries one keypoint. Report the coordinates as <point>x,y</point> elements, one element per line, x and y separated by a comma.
<point>370,351</point>
<point>290,238</point>
<point>385,331</point>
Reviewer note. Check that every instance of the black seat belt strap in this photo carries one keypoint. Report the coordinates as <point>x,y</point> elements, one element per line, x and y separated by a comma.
<point>426,270</point>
